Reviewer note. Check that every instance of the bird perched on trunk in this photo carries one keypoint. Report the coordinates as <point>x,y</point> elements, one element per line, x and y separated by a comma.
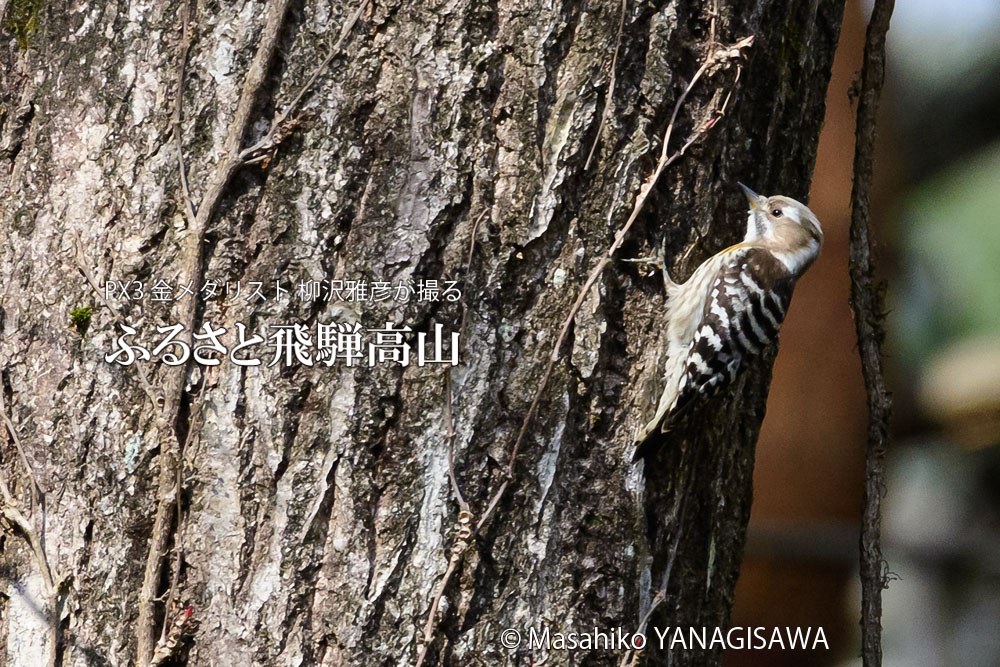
<point>731,308</point>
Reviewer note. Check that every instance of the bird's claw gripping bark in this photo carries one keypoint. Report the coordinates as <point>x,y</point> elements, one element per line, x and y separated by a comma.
<point>657,261</point>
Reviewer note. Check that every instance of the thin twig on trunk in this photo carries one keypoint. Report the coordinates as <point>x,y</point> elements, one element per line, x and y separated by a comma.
<point>36,490</point>
<point>175,572</point>
<point>233,157</point>
<point>19,523</point>
<point>714,58</point>
<point>187,203</point>
<point>867,307</point>
<point>611,86</point>
<point>631,657</point>
<point>465,517</point>
<point>276,132</point>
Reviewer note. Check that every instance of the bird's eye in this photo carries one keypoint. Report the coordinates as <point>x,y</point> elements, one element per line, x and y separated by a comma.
<point>776,212</point>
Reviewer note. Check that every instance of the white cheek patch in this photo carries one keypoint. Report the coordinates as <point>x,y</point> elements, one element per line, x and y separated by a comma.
<point>793,214</point>
<point>795,260</point>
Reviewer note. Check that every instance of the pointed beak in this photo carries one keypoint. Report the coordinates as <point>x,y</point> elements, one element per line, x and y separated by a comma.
<point>752,197</point>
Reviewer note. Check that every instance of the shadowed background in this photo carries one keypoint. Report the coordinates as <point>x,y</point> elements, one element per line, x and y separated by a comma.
<point>936,204</point>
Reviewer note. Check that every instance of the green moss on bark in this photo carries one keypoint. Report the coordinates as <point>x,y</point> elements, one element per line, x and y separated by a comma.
<point>22,20</point>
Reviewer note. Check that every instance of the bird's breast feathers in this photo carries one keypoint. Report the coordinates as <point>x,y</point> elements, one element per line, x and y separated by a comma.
<point>728,311</point>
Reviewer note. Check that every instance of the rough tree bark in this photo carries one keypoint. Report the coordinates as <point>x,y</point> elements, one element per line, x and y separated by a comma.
<point>316,516</point>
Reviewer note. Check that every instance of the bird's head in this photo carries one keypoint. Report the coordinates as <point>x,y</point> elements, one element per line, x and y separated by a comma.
<point>785,223</point>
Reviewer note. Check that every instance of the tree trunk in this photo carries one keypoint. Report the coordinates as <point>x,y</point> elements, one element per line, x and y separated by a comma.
<point>445,141</point>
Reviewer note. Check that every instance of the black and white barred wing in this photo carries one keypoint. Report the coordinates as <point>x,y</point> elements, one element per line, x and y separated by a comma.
<point>744,309</point>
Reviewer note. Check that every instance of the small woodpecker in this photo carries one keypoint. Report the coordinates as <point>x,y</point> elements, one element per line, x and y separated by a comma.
<point>731,308</point>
